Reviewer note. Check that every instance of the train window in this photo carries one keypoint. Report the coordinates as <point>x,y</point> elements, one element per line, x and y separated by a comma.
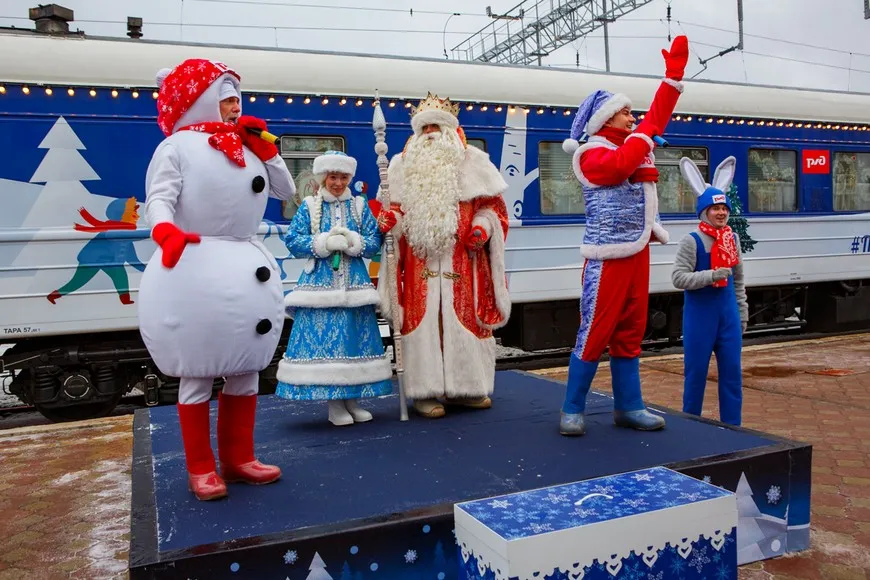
<point>675,194</point>
<point>560,190</point>
<point>772,180</point>
<point>851,181</point>
<point>298,152</point>
<point>479,143</point>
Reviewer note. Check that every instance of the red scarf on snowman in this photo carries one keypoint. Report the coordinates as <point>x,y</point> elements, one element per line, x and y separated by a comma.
<point>180,89</point>
<point>723,254</point>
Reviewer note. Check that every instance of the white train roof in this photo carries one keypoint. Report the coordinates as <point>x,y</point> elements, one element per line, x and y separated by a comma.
<point>71,60</point>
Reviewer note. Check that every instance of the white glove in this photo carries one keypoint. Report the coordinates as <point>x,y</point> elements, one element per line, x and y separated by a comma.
<point>336,243</point>
<point>721,274</point>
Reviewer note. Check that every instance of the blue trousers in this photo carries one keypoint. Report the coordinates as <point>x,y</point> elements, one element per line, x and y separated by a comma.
<point>711,324</point>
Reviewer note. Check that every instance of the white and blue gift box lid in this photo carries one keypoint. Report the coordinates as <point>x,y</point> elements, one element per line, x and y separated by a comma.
<point>655,522</point>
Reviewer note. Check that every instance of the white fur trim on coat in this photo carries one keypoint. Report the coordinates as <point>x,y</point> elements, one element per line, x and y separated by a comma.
<point>478,177</point>
<point>466,365</point>
<point>320,249</point>
<point>488,220</point>
<point>355,245</point>
<point>649,141</point>
<point>610,107</point>
<point>334,163</point>
<point>339,298</point>
<point>433,116</point>
<point>334,372</point>
<point>329,198</point>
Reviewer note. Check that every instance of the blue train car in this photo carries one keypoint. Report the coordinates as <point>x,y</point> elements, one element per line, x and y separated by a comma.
<point>78,128</point>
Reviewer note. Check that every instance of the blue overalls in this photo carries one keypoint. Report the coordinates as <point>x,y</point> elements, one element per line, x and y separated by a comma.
<point>711,323</point>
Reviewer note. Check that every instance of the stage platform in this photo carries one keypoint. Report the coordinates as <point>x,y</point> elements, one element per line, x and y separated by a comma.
<point>375,500</point>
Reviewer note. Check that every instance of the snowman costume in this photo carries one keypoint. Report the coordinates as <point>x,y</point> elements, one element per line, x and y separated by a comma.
<point>210,299</point>
<point>709,268</point>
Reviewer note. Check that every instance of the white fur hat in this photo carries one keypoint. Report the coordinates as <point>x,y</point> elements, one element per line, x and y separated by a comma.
<point>333,161</point>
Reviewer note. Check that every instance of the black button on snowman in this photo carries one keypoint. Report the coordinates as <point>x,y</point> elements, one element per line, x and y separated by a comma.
<point>258,184</point>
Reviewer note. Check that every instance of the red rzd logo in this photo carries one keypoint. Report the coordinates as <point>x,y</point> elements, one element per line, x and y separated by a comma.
<point>817,161</point>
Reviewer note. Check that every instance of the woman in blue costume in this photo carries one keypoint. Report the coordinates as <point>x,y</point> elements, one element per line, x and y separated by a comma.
<point>335,352</point>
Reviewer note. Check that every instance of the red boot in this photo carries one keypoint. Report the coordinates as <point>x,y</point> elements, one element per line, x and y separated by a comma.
<point>203,479</point>
<point>125,298</point>
<point>236,442</point>
<point>54,296</point>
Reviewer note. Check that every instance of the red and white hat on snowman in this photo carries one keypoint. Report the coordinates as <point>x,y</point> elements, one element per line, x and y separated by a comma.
<point>191,93</point>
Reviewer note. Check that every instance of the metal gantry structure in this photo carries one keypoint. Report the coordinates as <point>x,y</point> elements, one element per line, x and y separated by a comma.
<point>534,28</point>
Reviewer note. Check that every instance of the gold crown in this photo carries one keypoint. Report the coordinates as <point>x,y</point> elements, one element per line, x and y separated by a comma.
<point>432,102</point>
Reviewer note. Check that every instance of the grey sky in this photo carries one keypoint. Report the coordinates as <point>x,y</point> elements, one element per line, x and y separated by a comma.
<point>815,31</point>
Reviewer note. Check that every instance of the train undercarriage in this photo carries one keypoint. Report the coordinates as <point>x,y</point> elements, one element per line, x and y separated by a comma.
<point>85,376</point>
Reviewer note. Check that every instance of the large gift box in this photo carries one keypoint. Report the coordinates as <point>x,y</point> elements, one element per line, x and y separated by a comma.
<point>653,523</point>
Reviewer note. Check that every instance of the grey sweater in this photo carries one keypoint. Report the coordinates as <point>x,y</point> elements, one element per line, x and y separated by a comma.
<point>685,277</point>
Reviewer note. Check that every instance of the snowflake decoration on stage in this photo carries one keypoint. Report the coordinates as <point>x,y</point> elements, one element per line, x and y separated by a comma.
<point>410,556</point>
<point>699,558</point>
<point>499,503</point>
<point>538,528</point>
<point>774,494</point>
<point>290,557</point>
<point>642,477</point>
<point>707,479</point>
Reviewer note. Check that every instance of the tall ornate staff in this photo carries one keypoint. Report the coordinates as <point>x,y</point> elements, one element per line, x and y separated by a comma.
<point>379,124</point>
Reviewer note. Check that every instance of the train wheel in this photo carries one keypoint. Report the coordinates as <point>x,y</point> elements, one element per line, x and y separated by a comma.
<point>79,412</point>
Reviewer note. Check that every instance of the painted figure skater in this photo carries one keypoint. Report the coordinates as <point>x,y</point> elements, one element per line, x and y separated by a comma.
<point>616,169</point>
<point>335,352</point>
<point>106,251</point>
<point>210,300</point>
<point>709,268</point>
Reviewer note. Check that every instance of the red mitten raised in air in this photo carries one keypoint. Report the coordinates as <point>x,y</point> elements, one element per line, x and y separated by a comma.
<point>172,241</point>
<point>676,58</point>
<point>261,148</point>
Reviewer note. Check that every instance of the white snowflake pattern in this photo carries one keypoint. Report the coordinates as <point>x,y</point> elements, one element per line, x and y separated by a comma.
<point>410,556</point>
<point>693,496</point>
<point>605,489</point>
<point>635,503</point>
<point>192,87</point>
<point>707,479</point>
<point>642,477</point>
<point>699,558</point>
<point>500,503</point>
<point>774,494</point>
<point>585,513</point>
<point>290,557</point>
<point>538,528</point>
<point>556,498</point>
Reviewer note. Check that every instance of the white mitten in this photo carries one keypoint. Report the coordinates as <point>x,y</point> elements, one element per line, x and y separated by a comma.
<point>336,243</point>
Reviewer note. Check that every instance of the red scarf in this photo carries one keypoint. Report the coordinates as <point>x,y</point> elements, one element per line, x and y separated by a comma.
<point>224,138</point>
<point>101,226</point>
<point>723,254</point>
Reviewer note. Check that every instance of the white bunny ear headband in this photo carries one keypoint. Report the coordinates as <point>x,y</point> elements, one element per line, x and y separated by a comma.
<point>708,195</point>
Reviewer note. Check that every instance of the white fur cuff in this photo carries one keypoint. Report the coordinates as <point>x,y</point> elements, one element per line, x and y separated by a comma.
<point>332,372</point>
<point>646,138</point>
<point>676,84</point>
<point>319,248</point>
<point>355,245</point>
<point>484,222</point>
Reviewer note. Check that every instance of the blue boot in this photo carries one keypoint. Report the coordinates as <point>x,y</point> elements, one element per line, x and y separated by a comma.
<point>628,408</point>
<point>580,375</point>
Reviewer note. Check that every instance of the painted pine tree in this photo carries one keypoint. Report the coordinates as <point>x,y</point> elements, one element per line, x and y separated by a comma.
<point>737,222</point>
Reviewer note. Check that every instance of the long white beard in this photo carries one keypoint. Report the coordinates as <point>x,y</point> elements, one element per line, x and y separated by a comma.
<point>430,200</point>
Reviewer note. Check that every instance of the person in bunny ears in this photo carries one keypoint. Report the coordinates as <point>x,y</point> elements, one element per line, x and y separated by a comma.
<point>616,169</point>
<point>211,298</point>
<point>335,352</point>
<point>709,268</point>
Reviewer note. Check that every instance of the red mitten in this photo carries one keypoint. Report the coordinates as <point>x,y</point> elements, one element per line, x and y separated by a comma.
<point>261,148</point>
<point>476,238</point>
<point>647,129</point>
<point>676,59</point>
<point>172,241</point>
<point>387,220</point>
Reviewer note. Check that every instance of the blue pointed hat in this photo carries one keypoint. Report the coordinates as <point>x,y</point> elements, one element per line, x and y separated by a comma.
<point>592,114</point>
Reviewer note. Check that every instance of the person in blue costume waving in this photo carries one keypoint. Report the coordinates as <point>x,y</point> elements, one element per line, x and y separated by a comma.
<point>335,352</point>
<point>709,268</point>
